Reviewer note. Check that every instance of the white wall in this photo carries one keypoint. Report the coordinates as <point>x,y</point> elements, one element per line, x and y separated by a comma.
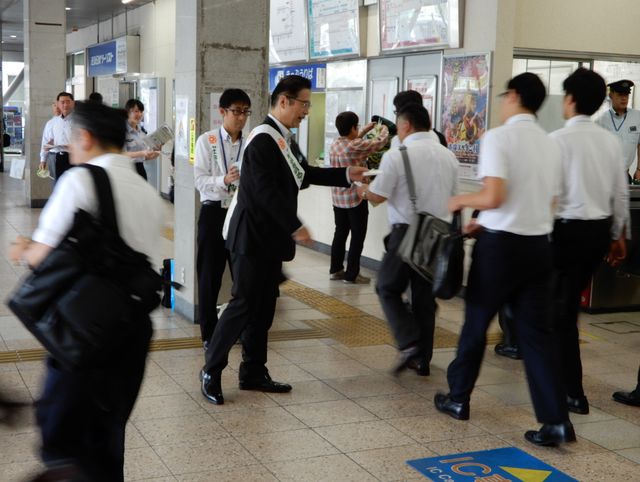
<point>578,25</point>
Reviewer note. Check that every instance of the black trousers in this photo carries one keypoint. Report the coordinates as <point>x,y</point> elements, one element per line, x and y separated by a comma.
<point>578,249</point>
<point>250,313</point>
<point>210,264</point>
<point>409,327</point>
<point>82,415</point>
<point>141,170</point>
<point>347,220</point>
<point>508,268</point>
<point>508,326</point>
<point>58,163</point>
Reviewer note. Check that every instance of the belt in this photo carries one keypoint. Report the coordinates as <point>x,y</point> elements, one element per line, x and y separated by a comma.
<point>399,226</point>
<point>211,203</point>
<point>585,221</point>
<point>508,234</point>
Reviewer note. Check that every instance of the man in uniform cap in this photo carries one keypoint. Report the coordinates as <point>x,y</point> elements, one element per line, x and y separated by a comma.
<point>623,122</point>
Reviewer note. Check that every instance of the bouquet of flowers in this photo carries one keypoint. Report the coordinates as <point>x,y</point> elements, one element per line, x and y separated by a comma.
<point>373,161</point>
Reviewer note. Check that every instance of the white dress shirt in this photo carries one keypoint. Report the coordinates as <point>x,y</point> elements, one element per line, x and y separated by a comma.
<point>521,153</point>
<point>138,206</point>
<point>626,128</point>
<point>594,185</point>
<point>133,141</point>
<point>57,128</point>
<point>395,140</point>
<point>435,175</point>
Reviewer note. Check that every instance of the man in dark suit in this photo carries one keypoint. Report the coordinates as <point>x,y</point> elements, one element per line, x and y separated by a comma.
<point>263,230</point>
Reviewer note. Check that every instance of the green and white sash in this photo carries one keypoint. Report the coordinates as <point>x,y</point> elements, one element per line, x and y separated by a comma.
<point>294,165</point>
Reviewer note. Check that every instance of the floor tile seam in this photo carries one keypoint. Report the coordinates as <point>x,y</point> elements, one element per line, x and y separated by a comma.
<point>376,418</point>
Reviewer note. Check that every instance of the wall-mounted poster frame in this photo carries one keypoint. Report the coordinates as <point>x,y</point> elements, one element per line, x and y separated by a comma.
<point>427,85</point>
<point>288,39</point>
<point>381,94</point>
<point>334,28</point>
<point>465,107</point>
<point>420,24</point>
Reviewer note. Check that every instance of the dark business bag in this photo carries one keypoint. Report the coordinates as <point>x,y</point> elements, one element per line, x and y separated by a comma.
<point>433,247</point>
<point>86,295</point>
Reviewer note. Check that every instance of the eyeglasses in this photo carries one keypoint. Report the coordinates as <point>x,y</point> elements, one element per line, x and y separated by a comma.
<point>305,103</point>
<point>238,112</point>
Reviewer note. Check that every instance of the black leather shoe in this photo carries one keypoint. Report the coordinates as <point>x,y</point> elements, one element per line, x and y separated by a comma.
<point>211,388</point>
<point>457,410</point>
<point>551,435</point>
<point>578,405</point>
<point>420,365</point>
<point>628,398</point>
<point>264,384</point>
<point>509,351</point>
<point>408,358</point>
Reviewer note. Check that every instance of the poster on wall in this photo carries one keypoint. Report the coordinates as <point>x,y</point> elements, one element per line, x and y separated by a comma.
<point>334,28</point>
<point>427,86</point>
<point>382,93</point>
<point>410,24</point>
<point>465,98</point>
<point>287,31</point>
<point>182,125</point>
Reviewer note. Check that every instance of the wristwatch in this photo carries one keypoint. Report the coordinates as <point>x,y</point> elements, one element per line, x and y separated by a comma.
<point>364,195</point>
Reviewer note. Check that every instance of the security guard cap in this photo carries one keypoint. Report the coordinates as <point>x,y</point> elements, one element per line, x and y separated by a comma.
<point>621,86</point>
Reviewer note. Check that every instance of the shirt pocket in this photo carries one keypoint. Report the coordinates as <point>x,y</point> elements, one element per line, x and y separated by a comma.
<point>632,137</point>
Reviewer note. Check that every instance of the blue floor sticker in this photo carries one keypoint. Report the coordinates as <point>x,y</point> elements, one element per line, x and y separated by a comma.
<point>499,465</point>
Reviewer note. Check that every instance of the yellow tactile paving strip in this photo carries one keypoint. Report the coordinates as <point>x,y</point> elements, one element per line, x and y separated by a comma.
<point>347,325</point>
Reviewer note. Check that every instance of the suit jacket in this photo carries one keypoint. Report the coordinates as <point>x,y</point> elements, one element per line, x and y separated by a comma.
<point>265,216</point>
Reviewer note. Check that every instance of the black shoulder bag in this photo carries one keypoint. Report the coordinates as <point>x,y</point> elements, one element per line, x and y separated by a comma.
<point>88,293</point>
<point>433,247</point>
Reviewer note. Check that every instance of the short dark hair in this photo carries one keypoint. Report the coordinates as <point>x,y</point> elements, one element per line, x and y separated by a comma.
<point>345,121</point>
<point>417,116</point>
<point>132,104</point>
<point>106,124</point>
<point>95,97</point>
<point>64,94</point>
<point>588,90</point>
<point>291,85</point>
<point>234,96</point>
<point>531,90</point>
<point>407,97</point>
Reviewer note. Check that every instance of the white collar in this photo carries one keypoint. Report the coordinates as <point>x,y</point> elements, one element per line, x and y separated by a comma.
<point>285,131</point>
<point>577,119</point>
<point>420,136</point>
<point>520,118</point>
<point>227,137</point>
<point>613,112</point>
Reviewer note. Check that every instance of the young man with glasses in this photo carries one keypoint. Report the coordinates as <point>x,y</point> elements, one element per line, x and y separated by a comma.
<point>216,175</point>
<point>262,233</point>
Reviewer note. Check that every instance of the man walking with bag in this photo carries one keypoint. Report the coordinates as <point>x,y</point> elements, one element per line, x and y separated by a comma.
<point>435,176</point>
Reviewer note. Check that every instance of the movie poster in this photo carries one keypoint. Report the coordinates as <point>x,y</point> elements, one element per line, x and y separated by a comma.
<point>465,97</point>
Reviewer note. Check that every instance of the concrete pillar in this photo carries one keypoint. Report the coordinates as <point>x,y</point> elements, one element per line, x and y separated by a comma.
<point>219,44</point>
<point>44,78</point>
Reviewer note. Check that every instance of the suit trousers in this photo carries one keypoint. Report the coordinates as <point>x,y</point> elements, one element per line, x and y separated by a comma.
<point>347,220</point>
<point>578,248</point>
<point>210,264</point>
<point>58,163</point>
<point>413,327</point>
<point>250,313</point>
<point>508,268</point>
<point>141,170</point>
<point>82,415</point>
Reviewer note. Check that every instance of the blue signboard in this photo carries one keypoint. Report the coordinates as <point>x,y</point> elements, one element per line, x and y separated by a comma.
<point>102,59</point>
<point>499,465</point>
<point>316,73</point>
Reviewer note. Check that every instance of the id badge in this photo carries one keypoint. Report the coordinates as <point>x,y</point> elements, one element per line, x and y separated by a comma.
<point>225,203</point>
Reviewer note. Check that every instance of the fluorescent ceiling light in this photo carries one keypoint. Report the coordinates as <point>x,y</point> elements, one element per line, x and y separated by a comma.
<point>127,1</point>
<point>13,36</point>
<point>67,8</point>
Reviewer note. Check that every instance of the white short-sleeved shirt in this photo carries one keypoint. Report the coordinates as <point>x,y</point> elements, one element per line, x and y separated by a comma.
<point>57,131</point>
<point>626,128</point>
<point>134,141</point>
<point>521,153</point>
<point>594,185</point>
<point>138,206</point>
<point>435,175</point>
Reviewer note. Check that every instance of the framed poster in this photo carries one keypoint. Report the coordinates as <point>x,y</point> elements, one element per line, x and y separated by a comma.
<point>334,28</point>
<point>411,24</point>
<point>382,92</point>
<point>427,85</point>
<point>465,102</point>
<point>288,31</point>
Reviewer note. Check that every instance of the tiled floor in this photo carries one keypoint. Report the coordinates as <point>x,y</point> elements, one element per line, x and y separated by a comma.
<point>346,419</point>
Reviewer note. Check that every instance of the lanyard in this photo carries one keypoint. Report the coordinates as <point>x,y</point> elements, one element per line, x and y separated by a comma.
<point>224,155</point>
<point>617,128</point>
